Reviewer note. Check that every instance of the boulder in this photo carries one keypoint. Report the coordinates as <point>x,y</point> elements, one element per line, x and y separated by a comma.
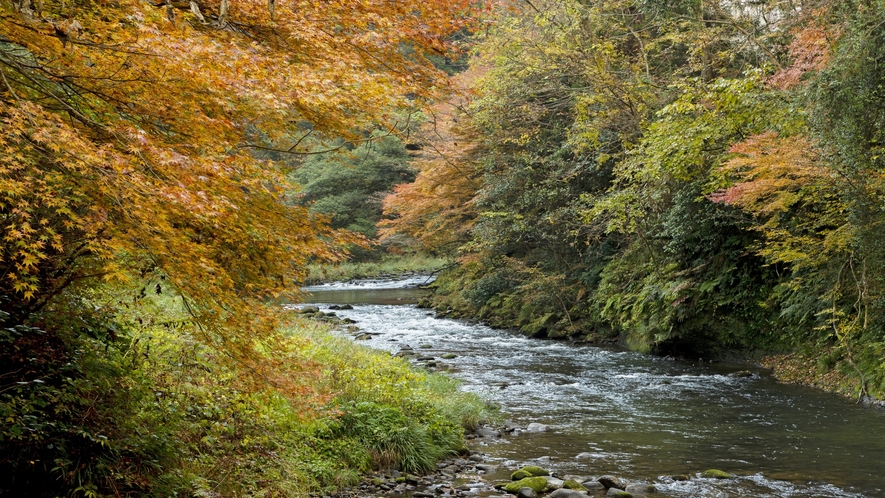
<point>593,486</point>
<point>345,307</point>
<point>535,471</point>
<point>519,475</point>
<point>618,493</point>
<point>573,484</point>
<point>554,483</point>
<point>567,493</point>
<point>716,474</point>
<point>612,482</point>
<point>526,492</point>
<point>485,467</point>
<point>640,488</point>
<point>487,432</point>
<point>536,483</point>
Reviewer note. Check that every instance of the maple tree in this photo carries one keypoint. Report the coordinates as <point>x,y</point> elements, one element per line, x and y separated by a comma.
<point>132,132</point>
<point>437,208</point>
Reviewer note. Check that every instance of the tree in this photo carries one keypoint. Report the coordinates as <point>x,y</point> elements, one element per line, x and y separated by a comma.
<point>130,133</point>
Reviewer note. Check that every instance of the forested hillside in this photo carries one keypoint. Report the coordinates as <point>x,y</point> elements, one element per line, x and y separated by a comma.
<point>690,176</point>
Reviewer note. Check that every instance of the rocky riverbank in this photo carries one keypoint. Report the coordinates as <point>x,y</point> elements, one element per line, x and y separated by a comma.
<point>474,474</point>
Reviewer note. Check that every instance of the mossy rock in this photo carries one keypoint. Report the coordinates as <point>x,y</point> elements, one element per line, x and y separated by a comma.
<point>535,471</point>
<point>519,475</point>
<point>573,484</point>
<point>377,481</point>
<point>536,483</point>
<point>716,474</point>
<point>400,480</point>
<point>622,494</point>
<point>449,356</point>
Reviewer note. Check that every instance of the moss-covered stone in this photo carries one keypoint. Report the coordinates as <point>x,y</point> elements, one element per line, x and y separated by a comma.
<point>536,483</point>
<point>449,356</point>
<point>573,484</point>
<point>622,494</point>
<point>535,471</point>
<point>519,474</point>
<point>716,474</point>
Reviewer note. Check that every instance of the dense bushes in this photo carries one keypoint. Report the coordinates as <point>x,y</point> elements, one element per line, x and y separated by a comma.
<point>144,410</point>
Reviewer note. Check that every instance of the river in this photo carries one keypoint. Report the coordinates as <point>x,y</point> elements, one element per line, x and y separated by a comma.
<point>639,417</point>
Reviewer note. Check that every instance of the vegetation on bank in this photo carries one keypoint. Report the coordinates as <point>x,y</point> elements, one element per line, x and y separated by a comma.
<point>141,408</point>
<point>388,265</point>
<point>690,177</point>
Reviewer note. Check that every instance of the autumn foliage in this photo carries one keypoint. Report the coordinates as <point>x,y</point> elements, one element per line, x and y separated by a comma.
<point>130,133</point>
<point>437,209</point>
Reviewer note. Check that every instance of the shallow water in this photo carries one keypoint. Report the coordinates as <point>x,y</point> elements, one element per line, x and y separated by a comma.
<point>636,416</point>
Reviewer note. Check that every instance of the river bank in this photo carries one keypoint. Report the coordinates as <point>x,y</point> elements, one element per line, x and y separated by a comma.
<point>640,417</point>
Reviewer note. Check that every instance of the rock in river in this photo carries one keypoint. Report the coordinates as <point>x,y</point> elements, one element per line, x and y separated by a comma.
<point>526,492</point>
<point>567,493</point>
<point>612,482</point>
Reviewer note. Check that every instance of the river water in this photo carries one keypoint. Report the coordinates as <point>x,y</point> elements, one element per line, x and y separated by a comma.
<point>639,417</point>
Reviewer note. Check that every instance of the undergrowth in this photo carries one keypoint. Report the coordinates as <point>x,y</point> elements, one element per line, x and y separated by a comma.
<point>131,405</point>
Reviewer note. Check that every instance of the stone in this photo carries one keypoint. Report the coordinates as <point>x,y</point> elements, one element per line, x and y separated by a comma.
<point>536,483</point>
<point>716,474</point>
<point>583,456</point>
<point>680,477</point>
<point>535,471</point>
<point>485,467</point>
<point>618,493</point>
<point>640,488</point>
<point>536,427</point>
<point>554,483</point>
<point>449,356</point>
<point>519,475</point>
<point>425,346</point>
<point>568,493</point>
<point>593,486</point>
<point>526,492</point>
<point>308,309</point>
<point>345,307</point>
<point>612,482</point>
<point>487,432</point>
<point>573,484</point>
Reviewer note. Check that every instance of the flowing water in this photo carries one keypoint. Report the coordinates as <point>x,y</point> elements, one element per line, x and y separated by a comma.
<point>639,417</point>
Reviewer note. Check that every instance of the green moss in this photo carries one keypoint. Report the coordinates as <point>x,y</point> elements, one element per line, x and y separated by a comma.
<point>519,474</point>
<point>536,483</point>
<point>716,474</point>
<point>573,484</point>
<point>535,471</point>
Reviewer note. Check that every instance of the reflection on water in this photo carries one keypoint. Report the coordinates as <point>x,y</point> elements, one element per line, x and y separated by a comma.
<point>638,416</point>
